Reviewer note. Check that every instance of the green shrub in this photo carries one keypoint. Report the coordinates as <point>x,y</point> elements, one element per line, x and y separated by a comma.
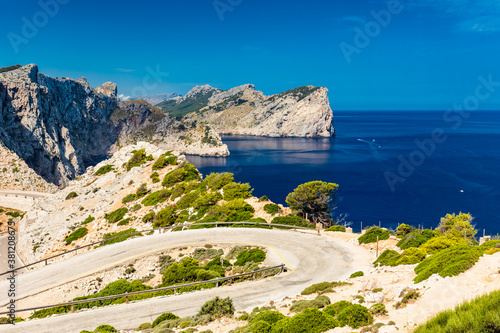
<point>138,158</point>
<point>318,303</point>
<point>71,195</point>
<point>217,308</point>
<point>163,317</point>
<point>478,315</point>
<point>136,207</point>
<point>272,209</point>
<point>449,262</point>
<point>163,161</point>
<point>185,172</point>
<point>103,170</point>
<point>124,233</point>
<point>216,181</point>
<point>204,253</point>
<point>267,316</point>
<point>237,191</point>
<point>116,215</point>
<point>457,226</point>
<point>143,326</point>
<point>491,244</point>
<point>232,211</point>
<point>378,309</point>
<point>411,256</point>
<point>293,221</point>
<point>252,255</point>
<point>129,198</point>
<point>188,200</point>
<point>409,295</point>
<point>335,308</point>
<point>355,316</point>
<point>441,243</point>
<point>387,258</point>
<point>323,287</point>
<point>207,199</point>
<point>155,177</point>
<point>149,217</point>
<point>77,234</point>
<point>141,191</point>
<point>156,197</point>
<point>371,235</point>
<point>338,228</point>
<point>403,230</point>
<point>263,198</point>
<point>105,329</point>
<point>309,321</point>
<point>124,222</point>
<point>357,274</point>
<point>415,238</point>
<point>165,217</point>
<point>89,219</point>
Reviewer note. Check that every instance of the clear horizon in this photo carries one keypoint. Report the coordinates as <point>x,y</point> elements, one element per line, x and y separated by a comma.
<point>392,55</point>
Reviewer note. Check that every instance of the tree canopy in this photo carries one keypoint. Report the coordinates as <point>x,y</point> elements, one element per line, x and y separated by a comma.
<point>317,199</point>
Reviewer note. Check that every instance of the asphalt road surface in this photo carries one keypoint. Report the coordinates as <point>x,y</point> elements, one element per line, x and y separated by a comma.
<point>311,259</point>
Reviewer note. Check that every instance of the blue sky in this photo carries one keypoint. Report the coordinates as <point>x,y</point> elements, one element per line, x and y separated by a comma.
<point>429,56</point>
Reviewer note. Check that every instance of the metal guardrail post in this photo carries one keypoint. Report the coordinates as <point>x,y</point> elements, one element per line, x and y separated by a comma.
<point>217,283</point>
<point>45,262</point>
<point>72,308</point>
<point>126,299</point>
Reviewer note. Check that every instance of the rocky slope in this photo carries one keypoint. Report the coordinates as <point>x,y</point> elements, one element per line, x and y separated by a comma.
<point>43,230</point>
<point>59,126</point>
<point>300,112</point>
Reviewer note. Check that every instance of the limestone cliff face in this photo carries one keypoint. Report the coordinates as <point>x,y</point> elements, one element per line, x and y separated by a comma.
<point>300,112</point>
<point>59,126</point>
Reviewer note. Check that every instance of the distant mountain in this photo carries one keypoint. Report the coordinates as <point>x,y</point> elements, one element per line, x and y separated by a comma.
<point>155,99</point>
<point>300,112</point>
<point>59,126</point>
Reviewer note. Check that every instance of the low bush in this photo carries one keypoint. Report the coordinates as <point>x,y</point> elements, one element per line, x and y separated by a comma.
<point>138,158</point>
<point>449,262</point>
<point>403,230</point>
<point>371,235</point>
<point>478,315</point>
<point>263,198</point>
<point>89,219</point>
<point>116,215</point>
<point>357,274</point>
<point>204,253</point>
<point>318,303</point>
<point>124,233</point>
<point>217,308</point>
<point>207,200</point>
<point>163,317</point>
<point>237,191</point>
<point>415,238</point>
<point>335,308</point>
<point>252,255</point>
<point>491,244</point>
<point>378,309</point>
<point>71,195</point>
<point>216,181</point>
<point>165,217</point>
<point>77,234</point>
<point>141,191</point>
<point>318,288</point>
<point>441,243</point>
<point>272,209</point>
<point>387,258</point>
<point>232,211</point>
<point>411,256</point>
<point>409,296</point>
<point>355,316</point>
<point>103,170</point>
<point>105,329</point>
<point>293,221</point>
<point>270,317</point>
<point>337,228</point>
<point>129,198</point>
<point>309,321</point>
<point>188,200</point>
<point>124,222</point>
<point>143,326</point>
<point>155,177</point>
<point>185,172</point>
<point>163,161</point>
<point>149,217</point>
<point>156,197</point>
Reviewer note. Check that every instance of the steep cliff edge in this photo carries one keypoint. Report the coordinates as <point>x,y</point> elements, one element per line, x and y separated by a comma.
<point>59,126</point>
<point>300,112</point>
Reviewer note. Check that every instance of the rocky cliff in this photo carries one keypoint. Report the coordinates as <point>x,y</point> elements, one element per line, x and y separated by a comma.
<point>300,112</point>
<point>59,126</point>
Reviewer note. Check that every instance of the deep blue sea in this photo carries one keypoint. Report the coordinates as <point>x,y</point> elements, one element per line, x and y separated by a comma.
<point>390,180</point>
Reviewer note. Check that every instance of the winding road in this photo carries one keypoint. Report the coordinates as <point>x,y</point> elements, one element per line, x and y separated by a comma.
<point>311,259</point>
